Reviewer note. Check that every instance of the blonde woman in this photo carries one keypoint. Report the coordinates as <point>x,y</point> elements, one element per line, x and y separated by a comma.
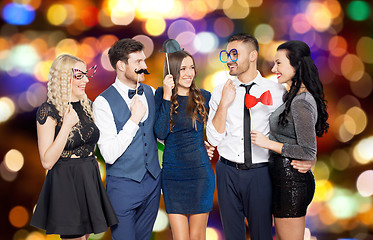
<point>73,202</point>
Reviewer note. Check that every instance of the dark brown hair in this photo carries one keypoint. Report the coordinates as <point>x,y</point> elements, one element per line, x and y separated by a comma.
<point>196,102</point>
<point>122,48</point>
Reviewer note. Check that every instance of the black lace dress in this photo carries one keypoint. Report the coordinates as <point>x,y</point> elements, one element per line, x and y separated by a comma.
<point>73,200</point>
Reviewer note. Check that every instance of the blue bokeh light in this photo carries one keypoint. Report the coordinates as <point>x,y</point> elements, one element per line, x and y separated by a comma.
<point>18,14</point>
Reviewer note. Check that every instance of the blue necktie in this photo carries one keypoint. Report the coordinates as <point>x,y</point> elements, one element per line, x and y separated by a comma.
<point>140,91</point>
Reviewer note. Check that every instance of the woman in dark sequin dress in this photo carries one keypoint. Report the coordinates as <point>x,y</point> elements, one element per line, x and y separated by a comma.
<point>73,201</point>
<point>294,127</point>
<point>188,180</point>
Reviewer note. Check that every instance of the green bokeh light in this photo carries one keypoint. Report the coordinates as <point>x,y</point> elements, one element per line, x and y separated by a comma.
<point>358,10</point>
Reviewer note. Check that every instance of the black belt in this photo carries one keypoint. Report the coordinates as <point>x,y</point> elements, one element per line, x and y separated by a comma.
<point>242,166</point>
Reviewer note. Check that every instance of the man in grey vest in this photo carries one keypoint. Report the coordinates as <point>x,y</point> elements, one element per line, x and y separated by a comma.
<point>124,114</point>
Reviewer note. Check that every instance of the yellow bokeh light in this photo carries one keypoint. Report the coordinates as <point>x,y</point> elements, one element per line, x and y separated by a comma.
<point>362,152</point>
<point>359,117</point>
<point>352,67</point>
<point>104,19</point>
<point>36,236</point>
<point>364,49</point>
<point>268,51</point>
<point>196,9</point>
<point>13,160</point>
<point>347,102</point>
<point>161,221</point>
<point>255,3</point>
<point>342,134</point>
<point>18,216</point>
<point>155,26</point>
<point>319,16</point>
<point>67,45</point>
<point>41,70</point>
<point>7,109</point>
<point>121,16</point>
<point>334,8</point>
<point>323,191</point>
<point>213,80</point>
<point>340,159</point>
<point>57,14</point>
<point>212,234</point>
<point>236,9</point>
<point>321,171</point>
<point>264,33</point>
<point>362,88</point>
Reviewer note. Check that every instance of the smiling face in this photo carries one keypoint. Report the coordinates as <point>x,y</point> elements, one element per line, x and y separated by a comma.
<point>186,75</point>
<point>282,68</point>
<point>136,61</point>
<point>245,56</point>
<point>78,85</point>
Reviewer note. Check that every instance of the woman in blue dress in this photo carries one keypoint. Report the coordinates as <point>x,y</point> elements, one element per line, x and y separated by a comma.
<point>188,180</point>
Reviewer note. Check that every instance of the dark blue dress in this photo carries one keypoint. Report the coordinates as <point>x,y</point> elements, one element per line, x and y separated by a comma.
<point>188,180</point>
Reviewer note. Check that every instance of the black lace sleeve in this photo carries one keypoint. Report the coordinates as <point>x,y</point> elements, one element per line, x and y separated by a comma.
<point>46,110</point>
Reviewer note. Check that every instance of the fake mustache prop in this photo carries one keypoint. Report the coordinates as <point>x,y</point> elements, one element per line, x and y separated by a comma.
<point>145,71</point>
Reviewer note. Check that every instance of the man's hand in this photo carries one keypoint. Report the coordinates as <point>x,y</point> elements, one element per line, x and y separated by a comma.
<point>210,149</point>
<point>228,94</point>
<point>138,110</point>
<point>303,165</point>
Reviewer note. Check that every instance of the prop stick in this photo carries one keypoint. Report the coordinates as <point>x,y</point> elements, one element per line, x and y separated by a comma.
<point>137,83</point>
<point>226,72</point>
<point>71,89</point>
<point>168,64</point>
<point>138,72</point>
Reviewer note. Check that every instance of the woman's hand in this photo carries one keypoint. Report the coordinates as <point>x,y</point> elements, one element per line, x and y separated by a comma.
<point>168,85</point>
<point>259,139</point>
<point>210,149</point>
<point>70,118</point>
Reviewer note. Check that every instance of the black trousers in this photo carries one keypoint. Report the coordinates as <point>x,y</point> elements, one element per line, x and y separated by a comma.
<point>244,194</point>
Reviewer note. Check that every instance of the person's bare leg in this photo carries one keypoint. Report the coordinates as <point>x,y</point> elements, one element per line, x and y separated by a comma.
<point>198,225</point>
<point>179,226</point>
<point>290,228</point>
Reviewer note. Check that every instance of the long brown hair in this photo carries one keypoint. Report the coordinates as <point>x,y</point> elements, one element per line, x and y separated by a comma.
<point>196,103</point>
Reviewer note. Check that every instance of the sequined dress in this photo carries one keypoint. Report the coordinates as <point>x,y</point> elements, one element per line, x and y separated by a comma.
<point>188,180</point>
<point>293,191</point>
<point>73,199</point>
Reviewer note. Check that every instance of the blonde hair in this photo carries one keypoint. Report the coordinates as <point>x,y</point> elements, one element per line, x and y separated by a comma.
<point>59,86</point>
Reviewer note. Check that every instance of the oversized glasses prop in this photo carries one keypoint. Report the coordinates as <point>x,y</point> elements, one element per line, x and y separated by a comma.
<point>224,56</point>
<point>79,74</point>
<point>232,54</point>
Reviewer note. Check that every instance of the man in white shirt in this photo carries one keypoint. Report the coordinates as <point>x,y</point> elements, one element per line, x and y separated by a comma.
<point>243,181</point>
<point>125,115</point>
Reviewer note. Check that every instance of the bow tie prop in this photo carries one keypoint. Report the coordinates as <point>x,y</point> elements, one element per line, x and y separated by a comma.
<point>265,98</point>
<point>170,46</point>
<point>138,72</point>
<point>132,93</point>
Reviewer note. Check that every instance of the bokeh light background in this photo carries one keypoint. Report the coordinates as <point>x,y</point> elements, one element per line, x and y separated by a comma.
<point>340,34</point>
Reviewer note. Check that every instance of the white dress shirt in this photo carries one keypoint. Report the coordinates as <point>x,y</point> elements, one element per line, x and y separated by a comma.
<point>112,144</point>
<point>230,144</point>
